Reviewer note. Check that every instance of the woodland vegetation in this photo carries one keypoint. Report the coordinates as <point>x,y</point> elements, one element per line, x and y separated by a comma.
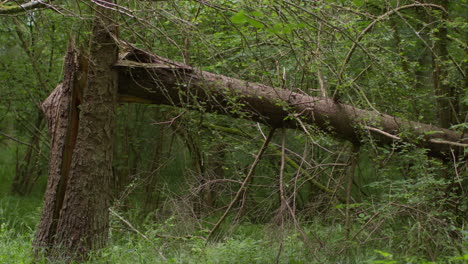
<point>233,131</point>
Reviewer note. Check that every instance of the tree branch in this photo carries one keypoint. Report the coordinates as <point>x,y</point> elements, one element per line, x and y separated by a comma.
<point>15,9</point>
<point>244,184</point>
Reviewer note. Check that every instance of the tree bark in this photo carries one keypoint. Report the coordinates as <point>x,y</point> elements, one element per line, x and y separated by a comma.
<point>148,78</point>
<point>447,99</point>
<point>75,217</point>
<point>61,112</point>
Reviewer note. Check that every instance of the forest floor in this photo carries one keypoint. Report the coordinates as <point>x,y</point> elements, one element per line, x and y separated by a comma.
<point>249,243</point>
<point>381,237</point>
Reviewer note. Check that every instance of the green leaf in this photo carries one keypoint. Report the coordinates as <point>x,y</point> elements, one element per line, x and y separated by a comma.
<point>464,257</point>
<point>257,14</point>
<point>384,254</point>
<point>433,132</point>
<point>239,18</point>
<point>358,3</point>
<point>255,23</point>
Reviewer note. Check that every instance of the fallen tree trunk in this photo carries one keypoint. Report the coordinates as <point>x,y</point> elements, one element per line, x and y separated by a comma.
<point>147,78</point>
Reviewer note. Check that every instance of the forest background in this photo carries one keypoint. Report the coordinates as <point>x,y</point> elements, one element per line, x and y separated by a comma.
<point>177,171</point>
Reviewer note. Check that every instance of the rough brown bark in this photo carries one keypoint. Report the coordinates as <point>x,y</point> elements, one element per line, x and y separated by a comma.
<point>148,78</point>
<point>83,223</point>
<point>62,116</point>
<point>75,217</point>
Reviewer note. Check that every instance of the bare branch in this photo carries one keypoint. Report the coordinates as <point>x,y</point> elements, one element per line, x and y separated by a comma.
<point>15,9</point>
<point>244,183</point>
<point>372,24</point>
<point>382,132</point>
<point>457,144</point>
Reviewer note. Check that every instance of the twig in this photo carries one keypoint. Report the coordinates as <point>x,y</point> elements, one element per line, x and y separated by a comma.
<point>285,203</point>
<point>382,132</point>
<point>310,136</point>
<point>372,24</point>
<point>365,225</point>
<point>244,183</point>
<point>24,143</point>
<point>281,175</point>
<point>22,8</point>
<point>354,160</point>
<point>180,237</point>
<point>428,215</point>
<point>438,141</point>
<point>261,131</point>
<point>128,224</point>
<point>281,190</point>
<point>323,90</point>
<point>171,121</point>
<point>457,175</point>
<point>289,160</point>
<point>133,229</point>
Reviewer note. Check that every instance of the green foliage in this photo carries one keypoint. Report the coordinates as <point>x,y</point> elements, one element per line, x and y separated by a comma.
<point>7,167</point>
<point>248,244</point>
<point>13,247</point>
<point>403,207</point>
<point>18,220</point>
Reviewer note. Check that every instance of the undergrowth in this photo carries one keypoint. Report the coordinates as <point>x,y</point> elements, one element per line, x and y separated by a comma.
<point>248,243</point>
<point>403,221</point>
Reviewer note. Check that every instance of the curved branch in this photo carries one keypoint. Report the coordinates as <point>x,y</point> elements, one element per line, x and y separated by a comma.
<point>372,24</point>
<point>15,9</point>
<point>244,183</point>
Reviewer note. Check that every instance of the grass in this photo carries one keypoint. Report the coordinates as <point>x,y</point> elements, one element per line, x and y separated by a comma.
<point>249,243</point>
<point>393,236</point>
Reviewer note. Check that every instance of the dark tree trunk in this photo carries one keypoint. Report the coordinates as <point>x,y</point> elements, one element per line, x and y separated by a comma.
<point>76,210</point>
<point>447,98</point>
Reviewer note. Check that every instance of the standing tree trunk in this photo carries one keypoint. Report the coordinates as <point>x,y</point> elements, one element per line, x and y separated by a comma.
<point>447,101</point>
<point>75,215</point>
